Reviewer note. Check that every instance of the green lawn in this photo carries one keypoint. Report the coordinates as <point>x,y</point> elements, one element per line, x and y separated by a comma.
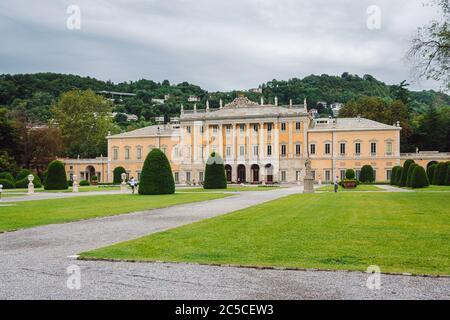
<point>229,189</point>
<point>35,213</point>
<point>361,187</point>
<point>80,189</point>
<point>400,232</point>
<point>433,188</point>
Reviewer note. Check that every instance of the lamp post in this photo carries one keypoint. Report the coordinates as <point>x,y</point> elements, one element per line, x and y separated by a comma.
<point>30,184</point>
<point>123,185</point>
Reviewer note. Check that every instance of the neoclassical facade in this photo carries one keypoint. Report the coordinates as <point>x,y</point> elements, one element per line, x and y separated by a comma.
<point>259,143</point>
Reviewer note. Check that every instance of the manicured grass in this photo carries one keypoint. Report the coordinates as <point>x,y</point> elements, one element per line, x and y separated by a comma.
<point>229,189</point>
<point>433,188</point>
<point>13,194</point>
<point>361,187</point>
<point>400,232</point>
<point>80,189</point>
<point>35,213</point>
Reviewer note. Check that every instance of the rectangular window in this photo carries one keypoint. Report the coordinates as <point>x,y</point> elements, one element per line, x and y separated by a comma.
<point>327,175</point>
<point>176,177</point>
<point>327,148</point>
<point>342,173</point>
<point>228,151</point>
<point>283,126</point>
<point>373,148</point>
<point>357,173</point>
<point>188,176</point>
<point>283,176</point>
<point>200,176</point>
<point>242,128</point>
<point>342,148</point>
<point>138,175</point>
<point>255,128</point>
<point>188,129</point>
<point>269,150</point>
<point>283,150</point>
<point>255,151</point>
<point>297,126</point>
<point>389,148</point>
<point>202,129</point>
<point>127,153</point>
<point>215,129</point>
<point>388,174</point>
<point>312,148</point>
<point>139,153</point>
<point>115,154</point>
<point>241,151</point>
<point>357,148</point>
<point>269,127</point>
<point>228,129</point>
<point>298,175</point>
<point>298,149</point>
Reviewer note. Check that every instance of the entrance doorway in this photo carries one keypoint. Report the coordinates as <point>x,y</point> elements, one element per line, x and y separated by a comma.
<point>228,172</point>
<point>241,173</point>
<point>90,172</point>
<point>269,173</point>
<point>255,173</point>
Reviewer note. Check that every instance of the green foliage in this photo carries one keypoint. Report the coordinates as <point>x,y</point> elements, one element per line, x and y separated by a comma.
<point>447,178</point>
<point>398,176</point>
<point>23,174</point>
<point>215,177</point>
<point>430,172</point>
<point>404,176</point>
<point>94,178</point>
<point>7,176</point>
<point>394,175</point>
<point>350,174</point>
<point>7,184</point>
<point>156,176</point>
<point>84,183</point>
<point>367,174</point>
<point>70,183</point>
<point>56,176</point>
<point>440,174</point>
<point>23,183</point>
<point>419,178</point>
<point>117,173</point>
<point>410,174</point>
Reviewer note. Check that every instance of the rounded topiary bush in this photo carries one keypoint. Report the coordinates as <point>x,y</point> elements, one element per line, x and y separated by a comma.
<point>367,174</point>
<point>7,176</point>
<point>410,173</point>
<point>56,176</point>
<point>23,174</point>
<point>84,183</point>
<point>350,174</point>
<point>7,184</point>
<point>215,177</point>
<point>439,174</point>
<point>156,175</point>
<point>419,178</point>
<point>117,173</point>
<point>430,172</point>
<point>23,183</point>
<point>404,176</point>
<point>394,172</point>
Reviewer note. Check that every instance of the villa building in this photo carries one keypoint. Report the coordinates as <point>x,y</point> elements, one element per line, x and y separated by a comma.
<point>259,143</point>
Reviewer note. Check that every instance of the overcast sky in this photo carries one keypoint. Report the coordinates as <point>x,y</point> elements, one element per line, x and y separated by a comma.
<point>219,45</point>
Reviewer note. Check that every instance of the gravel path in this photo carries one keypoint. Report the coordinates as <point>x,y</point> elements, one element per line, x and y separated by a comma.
<point>33,264</point>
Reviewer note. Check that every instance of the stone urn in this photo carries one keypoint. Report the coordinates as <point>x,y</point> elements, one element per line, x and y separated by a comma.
<point>349,184</point>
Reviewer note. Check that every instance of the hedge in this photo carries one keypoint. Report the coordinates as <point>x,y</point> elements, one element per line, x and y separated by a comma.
<point>117,174</point>
<point>404,176</point>
<point>419,178</point>
<point>350,174</point>
<point>410,173</point>
<point>367,174</point>
<point>215,177</point>
<point>23,183</point>
<point>439,174</point>
<point>447,178</point>
<point>23,174</point>
<point>84,183</point>
<point>7,176</point>
<point>398,176</point>
<point>394,175</point>
<point>430,172</point>
<point>156,176</point>
<point>7,184</point>
<point>56,176</point>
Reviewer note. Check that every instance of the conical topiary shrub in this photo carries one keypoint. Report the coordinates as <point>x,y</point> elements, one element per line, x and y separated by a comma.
<point>439,174</point>
<point>156,176</point>
<point>447,178</point>
<point>404,176</point>
<point>419,178</point>
<point>56,176</point>
<point>410,173</point>
<point>430,172</point>
<point>398,176</point>
<point>117,174</point>
<point>394,175</point>
<point>215,177</point>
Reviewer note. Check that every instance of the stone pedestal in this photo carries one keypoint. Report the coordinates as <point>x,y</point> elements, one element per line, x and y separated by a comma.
<point>308,181</point>
<point>123,185</point>
<point>30,184</point>
<point>75,183</point>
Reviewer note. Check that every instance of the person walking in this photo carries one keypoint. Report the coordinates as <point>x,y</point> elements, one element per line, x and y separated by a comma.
<point>132,184</point>
<point>336,183</point>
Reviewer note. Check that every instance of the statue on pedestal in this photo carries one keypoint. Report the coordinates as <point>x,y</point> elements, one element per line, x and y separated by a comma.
<point>30,184</point>
<point>74,183</point>
<point>123,185</point>
<point>308,181</point>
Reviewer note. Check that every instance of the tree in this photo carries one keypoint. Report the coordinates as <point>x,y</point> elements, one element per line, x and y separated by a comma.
<point>7,163</point>
<point>367,174</point>
<point>56,176</point>
<point>419,178</point>
<point>430,49</point>
<point>215,177</point>
<point>156,176</point>
<point>117,174</point>
<point>84,119</point>
<point>404,177</point>
<point>350,174</point>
